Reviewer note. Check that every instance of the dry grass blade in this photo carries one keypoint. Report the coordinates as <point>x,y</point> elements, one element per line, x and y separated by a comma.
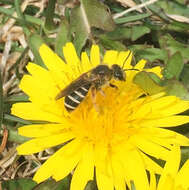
<point>9,24</point>
<point>129,3</point>
<point>178,18</point>
<point>134,8</point>
<point>4,140</point>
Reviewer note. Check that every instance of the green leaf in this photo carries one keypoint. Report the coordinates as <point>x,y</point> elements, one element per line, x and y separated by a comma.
<point>19,184</point>
<point>184,76</point>
<point>167,42</point>
<point>17,98</point>
<point>159,12</point>
<point>63,36</point>
<point>149,53</point>
<point>111,44</point>
<point>34,42</point>
<point>15,137</point>
<point>176,88</point>
<point>173,67</point>
<point>119,33</point>
<point>138,31</point>
<point>91,185</point>
<point>145,81</point>
<point>178,26</point>
<point>132,18</point>
<point>90,13</point>
<point>173,7</point>
<point>16,119</point>
<point>53,185</point>
<point>21,16</point>
<point>49,23</point>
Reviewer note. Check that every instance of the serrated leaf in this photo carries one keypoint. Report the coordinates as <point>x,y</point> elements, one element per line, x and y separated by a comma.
<point>111,44</point>
<point>150,54</point>
<point>173,67</point>
<point>169,43</point>
<point>176,88</point>
<point>34,43</point>
<point>138,31</point>
<point>63,36</point>
<point>19,184</point>
<point>145,81</point>
<point>90,13</point>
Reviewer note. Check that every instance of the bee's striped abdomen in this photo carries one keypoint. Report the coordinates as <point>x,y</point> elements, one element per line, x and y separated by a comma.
<point>72,100</point>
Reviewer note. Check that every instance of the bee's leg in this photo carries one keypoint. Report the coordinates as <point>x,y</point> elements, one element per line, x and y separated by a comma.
<point>93,92</point>
<point>113,86</point>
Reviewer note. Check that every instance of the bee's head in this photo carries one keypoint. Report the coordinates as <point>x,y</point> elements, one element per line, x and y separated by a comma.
<point>118,73</point>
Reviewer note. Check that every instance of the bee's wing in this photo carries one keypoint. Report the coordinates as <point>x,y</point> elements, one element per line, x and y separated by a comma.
<point>83,80</point>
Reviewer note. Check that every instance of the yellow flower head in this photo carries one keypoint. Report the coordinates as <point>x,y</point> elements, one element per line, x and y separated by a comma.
<point>171,178</point>
<point>113,140</point>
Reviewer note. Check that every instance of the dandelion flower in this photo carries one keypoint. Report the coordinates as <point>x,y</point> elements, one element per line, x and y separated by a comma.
<point>171,178</point>
<point>114,142</point>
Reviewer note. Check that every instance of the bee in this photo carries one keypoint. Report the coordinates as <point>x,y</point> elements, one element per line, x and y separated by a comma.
<point>94,79</point>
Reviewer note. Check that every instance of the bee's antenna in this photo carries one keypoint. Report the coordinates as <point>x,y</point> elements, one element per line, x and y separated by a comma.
<point>126,59</point>
<point>130,69</point>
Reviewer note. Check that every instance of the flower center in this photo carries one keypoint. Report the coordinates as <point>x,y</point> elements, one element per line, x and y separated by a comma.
<point>109,120</point>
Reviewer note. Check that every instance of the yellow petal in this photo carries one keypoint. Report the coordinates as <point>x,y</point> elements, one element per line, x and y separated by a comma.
<point>178,107</point>
<point>30,111</point>
<point>51,60</point>
<point>157,70</point>
<point>61,163</point>
<point>42,130</point>
<point>38,93</point>
<point>136,167</point>
<point>86,64</point>
<point>171,167</point>
<point>150,164</point>
<point>84,170</point>
<point>100,155</point>
<point>168,183</point>
<point>170,121</point>
<point>39,144</point>
<point>150,148</point>
<point>124,59</point>
<point>55,64</point>
<point>165,137</point>
<point>110,57</point>
<point>95,55</point>
<point>72,60</point>
<point>69,159</point>
<point>152,181</point>
<point>104,181</point>
<point>182,176</point>
<point>140,65</point>
<point>118,175</point>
